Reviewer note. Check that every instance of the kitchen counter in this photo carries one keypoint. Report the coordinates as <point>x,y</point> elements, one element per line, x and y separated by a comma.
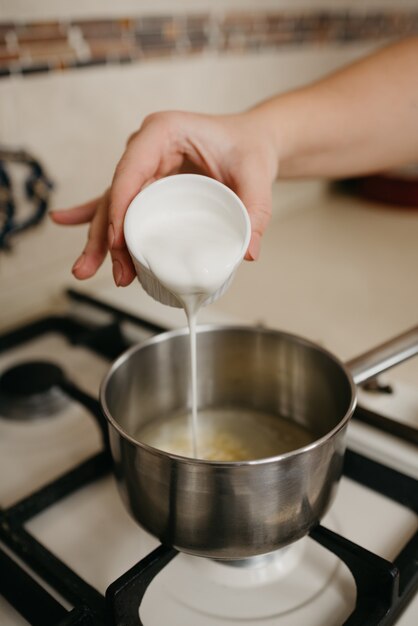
<point>335,269</point>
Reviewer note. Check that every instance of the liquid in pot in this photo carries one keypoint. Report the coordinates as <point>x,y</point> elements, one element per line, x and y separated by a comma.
<point>226,434</point>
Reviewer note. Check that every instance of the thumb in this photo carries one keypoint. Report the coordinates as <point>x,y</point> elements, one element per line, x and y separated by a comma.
<point>253,186</point>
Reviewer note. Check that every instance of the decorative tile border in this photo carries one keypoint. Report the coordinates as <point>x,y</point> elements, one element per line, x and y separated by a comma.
<point>30,47</point>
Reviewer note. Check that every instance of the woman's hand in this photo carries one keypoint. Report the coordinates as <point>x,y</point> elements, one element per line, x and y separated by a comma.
<point>236,150</point>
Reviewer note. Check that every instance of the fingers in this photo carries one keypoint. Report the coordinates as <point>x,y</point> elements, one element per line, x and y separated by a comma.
<point>129,178</point>
<point>80,214</point>
<point>122,268</point>
<point>150,154</point>
<point>94,253</point>
<point>96,247</point>
<point>253,185</point>
<point>139,163</point>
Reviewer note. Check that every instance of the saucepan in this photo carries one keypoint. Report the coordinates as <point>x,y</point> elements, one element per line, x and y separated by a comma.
<point>235,510</point>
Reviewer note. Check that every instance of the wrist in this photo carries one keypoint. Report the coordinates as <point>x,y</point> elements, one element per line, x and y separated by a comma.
<point>257,129</point>
<point>270,120</point>
<point>284,122</point>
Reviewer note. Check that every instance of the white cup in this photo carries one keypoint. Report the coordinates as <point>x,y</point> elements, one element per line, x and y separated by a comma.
<point>157,196</point>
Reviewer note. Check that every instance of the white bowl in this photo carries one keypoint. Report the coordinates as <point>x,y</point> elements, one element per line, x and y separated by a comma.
<point>158,195</point>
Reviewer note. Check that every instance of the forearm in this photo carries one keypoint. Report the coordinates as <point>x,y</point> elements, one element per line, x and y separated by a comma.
<point>361,119</point>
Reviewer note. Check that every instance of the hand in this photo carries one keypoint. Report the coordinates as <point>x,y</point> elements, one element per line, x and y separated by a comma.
<point>235,150</point>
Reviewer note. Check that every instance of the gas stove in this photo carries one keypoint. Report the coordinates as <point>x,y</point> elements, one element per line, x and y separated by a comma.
<point>70,554</point>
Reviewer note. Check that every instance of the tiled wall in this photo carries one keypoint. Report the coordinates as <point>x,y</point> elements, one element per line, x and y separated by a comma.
<point>32,47</point>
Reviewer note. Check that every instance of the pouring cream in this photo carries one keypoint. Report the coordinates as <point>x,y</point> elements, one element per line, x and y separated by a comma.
<point>189,236</point>
<point>192,253</point>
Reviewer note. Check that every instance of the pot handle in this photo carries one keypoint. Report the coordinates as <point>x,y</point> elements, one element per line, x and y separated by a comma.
<point>385,356</point>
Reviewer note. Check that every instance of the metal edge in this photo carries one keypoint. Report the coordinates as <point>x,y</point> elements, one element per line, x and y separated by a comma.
<point>219,328</point>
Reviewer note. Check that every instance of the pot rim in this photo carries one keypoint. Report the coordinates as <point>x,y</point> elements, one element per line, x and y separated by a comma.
<point>160,337</point>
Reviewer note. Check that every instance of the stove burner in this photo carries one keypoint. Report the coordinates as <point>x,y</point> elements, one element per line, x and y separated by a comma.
<point>31,389</point>
<point>33,377</point>
<point>257,588</point>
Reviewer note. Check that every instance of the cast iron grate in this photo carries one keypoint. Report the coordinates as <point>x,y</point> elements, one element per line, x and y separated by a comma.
<point>383,588</point>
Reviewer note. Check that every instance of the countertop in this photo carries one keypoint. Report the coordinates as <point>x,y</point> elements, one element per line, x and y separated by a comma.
<point>335,269</point>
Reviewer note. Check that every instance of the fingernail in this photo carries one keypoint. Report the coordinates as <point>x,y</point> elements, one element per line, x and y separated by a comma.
<point>111,236</point>
<point>117,272</point>
<point>254,248</point>
<point>78,264</point>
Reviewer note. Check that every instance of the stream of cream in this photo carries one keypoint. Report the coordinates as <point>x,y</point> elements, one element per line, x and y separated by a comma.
<point>191,306</point>
<point>192,261</point>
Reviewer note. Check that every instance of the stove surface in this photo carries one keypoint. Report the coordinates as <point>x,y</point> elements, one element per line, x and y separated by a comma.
<point>87,529</point>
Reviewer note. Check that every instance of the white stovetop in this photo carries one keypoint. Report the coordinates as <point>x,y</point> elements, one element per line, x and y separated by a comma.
<point>92,532</point>
<point>338,271</point>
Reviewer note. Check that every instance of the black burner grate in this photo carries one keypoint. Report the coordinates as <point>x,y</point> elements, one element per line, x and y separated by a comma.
<point>383,588</point>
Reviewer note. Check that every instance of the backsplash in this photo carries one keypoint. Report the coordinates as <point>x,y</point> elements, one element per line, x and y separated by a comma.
<point>33,47</point>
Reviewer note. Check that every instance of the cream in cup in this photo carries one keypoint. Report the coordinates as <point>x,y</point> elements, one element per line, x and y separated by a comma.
<point>186,235</point>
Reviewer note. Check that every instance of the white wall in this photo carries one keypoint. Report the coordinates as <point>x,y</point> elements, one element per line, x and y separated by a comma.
<point>77,122</point>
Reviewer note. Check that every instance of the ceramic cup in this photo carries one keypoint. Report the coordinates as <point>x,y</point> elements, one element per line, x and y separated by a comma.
<point>157,196</point>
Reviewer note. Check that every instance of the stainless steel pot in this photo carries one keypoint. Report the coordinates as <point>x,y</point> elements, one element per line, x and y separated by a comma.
<point>233,510</point>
